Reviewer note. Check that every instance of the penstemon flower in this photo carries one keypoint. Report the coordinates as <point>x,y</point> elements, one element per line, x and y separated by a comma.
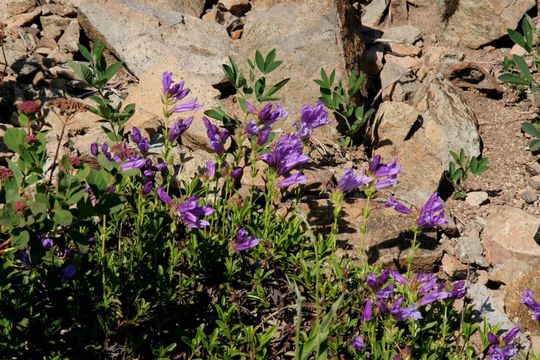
<point>179,128</point>
<point>191,213</point>
<point>503,348</point>
<point>351,180</point>
<point>244,241</point>
<point>430,215</point>
<point>311,118</point>
<point>262,126</point>
<point>217,137</point>
<point>531,304</point>
<point>174,92</point>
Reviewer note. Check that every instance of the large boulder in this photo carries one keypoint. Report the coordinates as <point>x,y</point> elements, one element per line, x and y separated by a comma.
<point>479,22</point>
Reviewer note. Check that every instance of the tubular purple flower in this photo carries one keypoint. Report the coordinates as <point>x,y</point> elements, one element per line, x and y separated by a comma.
<point>311,118</point>
<point>296,178</point>
<point>492,338</point>
<point>351,181</point>
<point>385,174</point>
<point>142,143</point>
<point>94,149</point>
<point>69,272</point>
<point>47,243</point>
<point>217,138</point>
<point>383,170</point>
<point>237,173</point>
<point>250,108</point>
<point>386,292</point>
<point>432,213</point>
<point>244,241</point>
<point>511,334</point>
<point>458,290</point>
<point>264,135</point>
<point>495,353</point>
<point>358,343</point>
<point>367,313</point>
<point>432,297</point>
<point>510,351</point>
<point>164,196</point>
<point>399,278</point>
<point>396,205</point>
<point>529,301</point>
<point>251,128</point>
<point>172,90</point>
<point>267,117</point>
<point>210,169</point>
<point>188,106</point>
<point>136,163</point>
<point>179,128</point>
<point>147,187</point>
<point>402,314</point>
<point>427,282</point>
<point>191,213</point>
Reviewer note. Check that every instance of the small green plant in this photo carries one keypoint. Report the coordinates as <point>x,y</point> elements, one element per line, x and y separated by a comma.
<point>344,103</point>
<point>459,169</point>
<point>97,74</point>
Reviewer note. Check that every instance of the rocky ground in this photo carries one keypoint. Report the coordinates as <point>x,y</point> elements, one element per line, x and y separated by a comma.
<point>432,78</point>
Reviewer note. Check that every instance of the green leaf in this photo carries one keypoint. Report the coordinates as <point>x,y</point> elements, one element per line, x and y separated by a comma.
<point>523,67</point>
<point>20,238</point>
<point>216,113</point>
<point>517,38</point>
<point>14,138</point>
<point>83,72</point>
<point>62,217</point>
<point>528,32</point>
<point>276,87</point>
<point>259,60</point>
<point>530,129</point>
<point>513,79</point>
<point>112,70</point>
<point>534,145</point>
<point>85,52</point>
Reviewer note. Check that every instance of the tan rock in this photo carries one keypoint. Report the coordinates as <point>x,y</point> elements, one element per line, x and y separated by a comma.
<point>70,39</point>
<point>529,280</point>
<point>22,19</point>
<point>511,233</point>
<point>392,123</point>
<point>453,267</point>
<point>398,49</point>
<point>15,7</point>
<point>236,7</point>
<point>374,12</point>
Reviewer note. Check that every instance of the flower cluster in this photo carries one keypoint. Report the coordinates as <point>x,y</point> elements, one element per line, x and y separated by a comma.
<point>190,212</point>
<point>286,155</point>
<point>351,180</point>
<point>173,93</point>
<point>143,143</point>
<point>379,176</point>
<point>530,302</point>
<point>266,117</point>
<point>178,128</point>
<point>5,173</point>
<point>217,137</point>
<point>311,117</point>
<point>503,348</point>
<point>430,215</point>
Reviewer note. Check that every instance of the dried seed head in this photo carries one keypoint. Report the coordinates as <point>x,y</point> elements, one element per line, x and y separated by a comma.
<point>29,107</point>
<point>67,106</point>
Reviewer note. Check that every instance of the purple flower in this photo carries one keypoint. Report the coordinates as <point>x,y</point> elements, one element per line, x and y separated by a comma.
<point>179,128</point>
<point>399,278</point>
<point>47,243</point>
<point>188,106</point>
<point>24,257</point>
<point>358,343</point>
<point>172,90</point>
<point>91,195</point>
<point>432,213</point>
<point>251,128</point>
<point>210,170</point>
<point>135,163</point>
<point>396,205</point>
<point>250,108</point>
<point>496,354</point>
<point>286,154</point>
<point>94,149</point>
<point>142,143</point>
<point>164,196</point>
<point>267,117</point>
<point>68,272</point>
<point>296,178</point>
<point>503,348</point>
<point>385,293</point>
<point>350,180</point>
<point>311,118</point>
<point>148,186</point>
<point>529,301</point>
<point>217,137</point>
<point>511,334</point>
<point>402,314</point>
<point>244,241</point>
<point>191,213</point>
<point>385,174</point>
<point>458,290</point>
<point>367,313</point>
<point>375,282</point>
<point>432,297</point>
<point>237,173</point>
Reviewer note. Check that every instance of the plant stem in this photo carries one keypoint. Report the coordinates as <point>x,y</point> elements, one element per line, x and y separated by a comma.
<point>55,158</point>
<point>364,227</point>
<point>414,247</point>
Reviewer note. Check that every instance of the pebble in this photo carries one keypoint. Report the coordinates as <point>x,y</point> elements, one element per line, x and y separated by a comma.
<point>476,198</point>
<point>528,195</point>
<point>534,182</point>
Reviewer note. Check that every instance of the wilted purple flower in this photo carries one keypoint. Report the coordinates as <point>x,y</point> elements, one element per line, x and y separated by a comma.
<point>244,241</point>
<point>187,106</point>
<point>350,180</point>
<point>286,154</point>
<point>164,196</point>
<point>432,213</point>
<point>47,243</point>
<point>94,149</point>
<point>530,302</point>
<point>396,205</point>
<point>367,313</point>
<point>179,128</point>
<point>311,118</point>
<point>217,137</point>
<point>143,143</point>
<point>358,343</point>
<point>68,272</point>
<point>171,89</point>
<point>191,213</point>
<point>296,178</point>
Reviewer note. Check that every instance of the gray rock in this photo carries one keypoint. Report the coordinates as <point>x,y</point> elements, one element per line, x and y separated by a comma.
<point>528,195</point>
<point>478,22</point>
<point>58,21</point>
<point>374,12</point>
<point>476,198</point>
<point>406,34</point>
<point>534,182</point>
<point>469,249</point>
<point>70,39</point>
